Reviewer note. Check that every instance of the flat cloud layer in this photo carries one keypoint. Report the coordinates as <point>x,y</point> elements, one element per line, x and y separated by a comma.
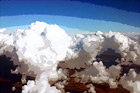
<point>42,48</point>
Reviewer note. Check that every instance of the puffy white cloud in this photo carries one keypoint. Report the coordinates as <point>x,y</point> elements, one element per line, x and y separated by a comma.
<point>40,48</point>
<point>131,81</point>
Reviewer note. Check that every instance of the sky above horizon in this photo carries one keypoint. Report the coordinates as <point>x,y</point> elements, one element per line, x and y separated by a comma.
<point>85,15</point>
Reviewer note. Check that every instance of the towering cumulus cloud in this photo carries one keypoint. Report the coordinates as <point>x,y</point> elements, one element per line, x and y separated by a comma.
<point>58,61</point>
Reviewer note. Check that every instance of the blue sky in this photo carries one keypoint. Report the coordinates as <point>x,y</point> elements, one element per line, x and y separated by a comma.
<point>85,15</point>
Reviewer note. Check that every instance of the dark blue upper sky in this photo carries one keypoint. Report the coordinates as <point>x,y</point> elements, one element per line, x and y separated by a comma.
<point>128,5</point>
